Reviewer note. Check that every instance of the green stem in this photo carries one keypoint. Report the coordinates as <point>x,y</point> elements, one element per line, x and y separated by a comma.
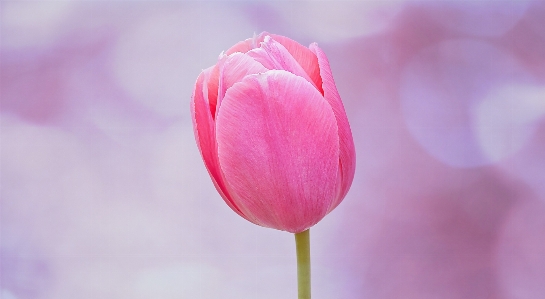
<point>302,245</point>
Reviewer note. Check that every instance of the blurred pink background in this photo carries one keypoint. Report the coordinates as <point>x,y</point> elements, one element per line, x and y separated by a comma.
<point>104,194</point>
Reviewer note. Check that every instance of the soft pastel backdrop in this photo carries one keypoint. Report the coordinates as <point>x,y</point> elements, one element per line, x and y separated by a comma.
<point>104,194</point>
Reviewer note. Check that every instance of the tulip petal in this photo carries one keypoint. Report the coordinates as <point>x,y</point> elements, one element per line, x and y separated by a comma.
<point>236,67</point>
<point>347,150</point>
<point>306,58</point>
<point>274,56</point>
<point>204,130</point>
<point>278,148</point>
<point>211,83</point>
<point>246,45</point>
<point>242,47</point>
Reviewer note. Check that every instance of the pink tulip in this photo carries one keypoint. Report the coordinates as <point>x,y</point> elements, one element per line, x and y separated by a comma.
<point>273,132</point>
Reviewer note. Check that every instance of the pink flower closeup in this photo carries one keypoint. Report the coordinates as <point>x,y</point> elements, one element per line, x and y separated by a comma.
<point>273,132</point>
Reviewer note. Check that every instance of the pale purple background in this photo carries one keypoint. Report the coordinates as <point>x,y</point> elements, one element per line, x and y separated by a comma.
<point>104,194</point>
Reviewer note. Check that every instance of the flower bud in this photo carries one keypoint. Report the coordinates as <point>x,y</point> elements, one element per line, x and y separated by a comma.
<point>273,132</point>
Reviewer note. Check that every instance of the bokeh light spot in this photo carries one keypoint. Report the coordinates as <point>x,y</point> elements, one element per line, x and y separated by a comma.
<point>440,88</point>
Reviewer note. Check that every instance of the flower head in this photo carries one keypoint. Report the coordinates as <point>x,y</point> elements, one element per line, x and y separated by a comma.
<point>273,132</point>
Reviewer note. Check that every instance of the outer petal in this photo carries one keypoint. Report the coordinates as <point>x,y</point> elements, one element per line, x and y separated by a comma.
<point>278,147</point>
<point>203,127</point>
<point>274,56</point>
<point>236,67</point>
<point>347,158</point>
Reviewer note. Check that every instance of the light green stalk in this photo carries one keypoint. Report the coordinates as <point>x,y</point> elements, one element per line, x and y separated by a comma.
<point>302,245</point>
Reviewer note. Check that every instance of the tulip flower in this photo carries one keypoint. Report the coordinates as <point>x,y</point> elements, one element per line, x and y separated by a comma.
<point>273,134</point>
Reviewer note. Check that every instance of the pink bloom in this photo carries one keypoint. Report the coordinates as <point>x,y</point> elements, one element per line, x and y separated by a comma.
<point>273,133</point>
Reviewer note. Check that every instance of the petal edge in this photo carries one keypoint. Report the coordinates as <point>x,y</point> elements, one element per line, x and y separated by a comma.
<point>347,157</point>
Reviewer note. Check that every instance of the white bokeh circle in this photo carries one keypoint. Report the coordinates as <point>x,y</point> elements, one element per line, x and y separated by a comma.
<point>443,88</point>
